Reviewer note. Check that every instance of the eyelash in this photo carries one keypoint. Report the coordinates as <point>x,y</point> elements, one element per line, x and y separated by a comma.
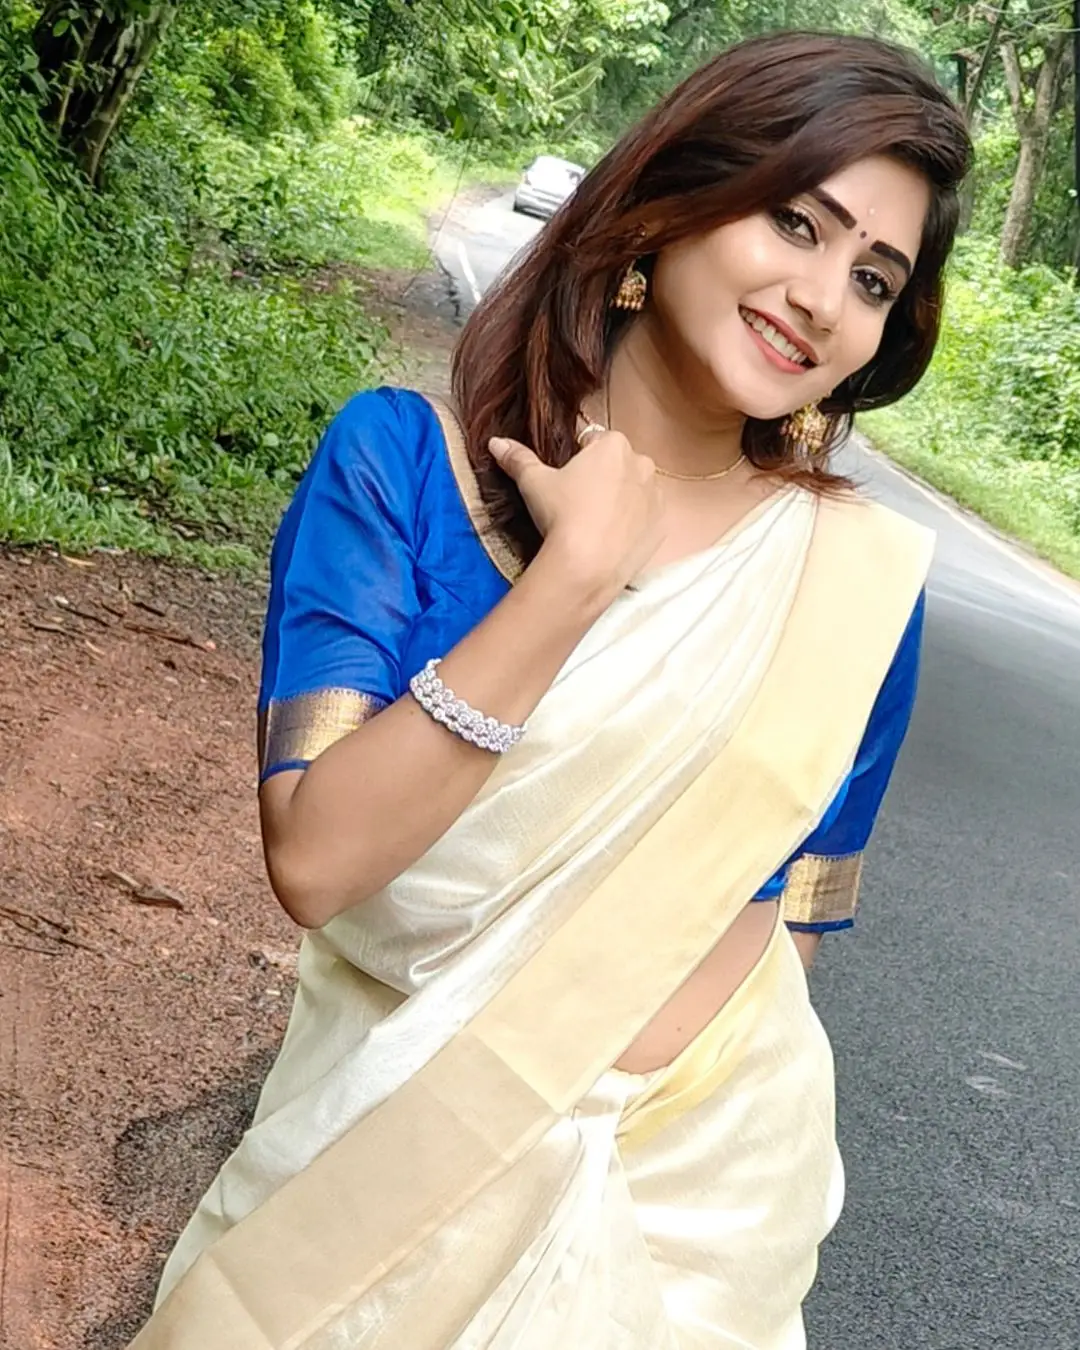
<point>789,218</point>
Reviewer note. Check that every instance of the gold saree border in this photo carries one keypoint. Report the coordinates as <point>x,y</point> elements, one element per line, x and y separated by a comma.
<point>495,542</point>
<point>823,890</point>
<point>299,729</point>
<point>478,1107</point>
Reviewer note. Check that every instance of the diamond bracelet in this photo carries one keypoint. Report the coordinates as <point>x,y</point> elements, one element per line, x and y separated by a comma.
<point>456,715</point>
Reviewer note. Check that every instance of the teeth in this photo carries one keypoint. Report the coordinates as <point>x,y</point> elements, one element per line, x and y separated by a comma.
<point>774,338</point>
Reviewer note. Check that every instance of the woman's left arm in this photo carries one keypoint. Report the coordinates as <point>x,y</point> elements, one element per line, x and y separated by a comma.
<point>819,886</point>
<point>806,944</point>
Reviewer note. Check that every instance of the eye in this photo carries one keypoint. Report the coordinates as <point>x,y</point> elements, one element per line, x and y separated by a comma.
<point>877,287</point>
<point>795,223</point>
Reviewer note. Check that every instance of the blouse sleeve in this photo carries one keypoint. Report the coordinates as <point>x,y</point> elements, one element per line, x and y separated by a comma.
<point>820,884</point>
<point>343,592</point>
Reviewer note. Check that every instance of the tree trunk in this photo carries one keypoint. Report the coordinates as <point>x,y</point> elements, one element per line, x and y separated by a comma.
<point>115,97</point>
<point>1017,226</point>
<point>1033,116</point>
<point>93,68</point>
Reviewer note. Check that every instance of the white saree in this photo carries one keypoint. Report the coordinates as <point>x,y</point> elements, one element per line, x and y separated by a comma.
<point>441,1156</point>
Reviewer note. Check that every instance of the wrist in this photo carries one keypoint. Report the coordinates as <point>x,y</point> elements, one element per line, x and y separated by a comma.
<point>576,584</point>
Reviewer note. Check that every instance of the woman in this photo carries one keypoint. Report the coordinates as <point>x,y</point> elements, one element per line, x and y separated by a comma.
<point>575,721</point>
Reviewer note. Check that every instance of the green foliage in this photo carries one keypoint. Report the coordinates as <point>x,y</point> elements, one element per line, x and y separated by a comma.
<point>326,88</point>
<point>168,352</point>
<point>281,72</point>
<point>1055,230</point>
<point>171,343</point>
<point>997,420</point>
<point>249,83</point>
<point>1010,355</point>
<point>573,71</point>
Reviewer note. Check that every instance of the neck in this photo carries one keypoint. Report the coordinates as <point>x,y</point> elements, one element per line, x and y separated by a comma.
<point>666,413</point>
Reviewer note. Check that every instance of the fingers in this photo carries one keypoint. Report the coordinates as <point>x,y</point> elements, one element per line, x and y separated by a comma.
<point>512,457</point>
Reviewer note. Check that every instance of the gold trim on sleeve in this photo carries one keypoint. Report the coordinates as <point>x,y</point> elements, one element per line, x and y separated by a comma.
<point>495,542</point>
<point>822,890</point>
<point>297,730</point>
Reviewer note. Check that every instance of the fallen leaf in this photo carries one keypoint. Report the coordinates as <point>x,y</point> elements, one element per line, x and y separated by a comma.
<point>86,614</point>
<point>128,882</point>
<point>158,896</point>
<point>143,892</point>
<point>184,639</point>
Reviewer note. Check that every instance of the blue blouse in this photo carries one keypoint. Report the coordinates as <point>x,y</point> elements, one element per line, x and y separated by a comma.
<point>378,566</point>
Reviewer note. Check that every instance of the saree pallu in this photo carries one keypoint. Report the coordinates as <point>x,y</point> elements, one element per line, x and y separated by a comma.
<point>450,1037</point>
<point>686,1211</point>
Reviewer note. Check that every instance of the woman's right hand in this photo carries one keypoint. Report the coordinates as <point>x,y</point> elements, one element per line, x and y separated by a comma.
<point>601,514</point>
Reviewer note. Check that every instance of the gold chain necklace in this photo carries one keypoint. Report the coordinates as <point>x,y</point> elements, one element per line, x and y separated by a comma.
<point>700,477</point>
<point>664,473</point>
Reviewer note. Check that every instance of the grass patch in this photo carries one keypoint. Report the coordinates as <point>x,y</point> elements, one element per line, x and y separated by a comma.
<point>996,422</point>
<point>1034,501</point>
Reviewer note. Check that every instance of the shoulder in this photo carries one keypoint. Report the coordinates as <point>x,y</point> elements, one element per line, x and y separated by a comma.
<point>869,534</point>
<point>377,452</point>
<point>385,428</point>
<point>872,522</point>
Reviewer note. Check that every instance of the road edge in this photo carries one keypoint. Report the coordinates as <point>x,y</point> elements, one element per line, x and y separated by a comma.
<point>1015,548</point>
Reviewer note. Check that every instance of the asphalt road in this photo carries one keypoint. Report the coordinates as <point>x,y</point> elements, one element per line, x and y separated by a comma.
<point>955,1006</point>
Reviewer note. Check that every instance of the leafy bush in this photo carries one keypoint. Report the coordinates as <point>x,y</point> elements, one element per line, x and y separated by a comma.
<point>1010,354</point>
<point>1054,227</point>
<point>326,89</point>
<point>282,73</point>
<point>249,83</point>
<point>167,358</point>
<point>996,422</point>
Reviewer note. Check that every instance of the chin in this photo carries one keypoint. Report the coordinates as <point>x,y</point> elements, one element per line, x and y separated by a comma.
<point>750,399</point>
<point>763,409</point>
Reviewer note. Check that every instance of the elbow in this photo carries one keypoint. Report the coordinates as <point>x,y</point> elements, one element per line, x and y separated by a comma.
<point>305,893</point>
<point>299,905</point>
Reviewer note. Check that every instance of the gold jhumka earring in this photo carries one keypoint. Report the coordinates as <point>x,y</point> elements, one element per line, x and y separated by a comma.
<point>632,289</point>
<point>808,430</point>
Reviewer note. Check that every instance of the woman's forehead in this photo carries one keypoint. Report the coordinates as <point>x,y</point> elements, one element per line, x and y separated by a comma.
<point>880,198</point>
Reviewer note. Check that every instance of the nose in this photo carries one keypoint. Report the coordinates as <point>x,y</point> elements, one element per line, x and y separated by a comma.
<point>818,293</point>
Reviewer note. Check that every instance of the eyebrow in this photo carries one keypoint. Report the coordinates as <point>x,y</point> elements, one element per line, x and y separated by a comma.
<point>887,251</point>
<point>844,216</point>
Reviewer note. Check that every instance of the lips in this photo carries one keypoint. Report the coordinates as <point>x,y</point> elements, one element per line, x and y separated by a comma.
<point>784,340</point>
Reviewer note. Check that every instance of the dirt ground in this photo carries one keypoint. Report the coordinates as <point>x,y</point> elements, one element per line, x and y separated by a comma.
<point>146,971</point>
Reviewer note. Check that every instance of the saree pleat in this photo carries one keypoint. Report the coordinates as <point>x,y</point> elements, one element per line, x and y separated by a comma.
<point>679,1209</point>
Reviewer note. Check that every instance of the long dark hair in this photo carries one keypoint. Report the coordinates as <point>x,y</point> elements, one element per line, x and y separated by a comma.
<point>759,124</point>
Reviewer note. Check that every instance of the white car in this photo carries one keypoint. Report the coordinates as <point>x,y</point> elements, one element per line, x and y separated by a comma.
<point>547,183</point>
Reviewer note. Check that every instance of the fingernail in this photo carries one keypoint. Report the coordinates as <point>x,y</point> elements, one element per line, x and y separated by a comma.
<point>498,443</point>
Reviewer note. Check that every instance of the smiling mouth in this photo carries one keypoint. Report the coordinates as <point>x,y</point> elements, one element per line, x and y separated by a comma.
<point>781,344</point>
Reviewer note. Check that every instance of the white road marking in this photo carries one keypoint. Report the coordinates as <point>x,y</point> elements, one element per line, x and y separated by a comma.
<point>1043,571</point>
<point>466,267</point>
<point>1005,1063</point>
<point>989,1086</point>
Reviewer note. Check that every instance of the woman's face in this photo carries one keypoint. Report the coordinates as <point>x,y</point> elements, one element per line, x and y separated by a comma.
<point>775,310</point>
